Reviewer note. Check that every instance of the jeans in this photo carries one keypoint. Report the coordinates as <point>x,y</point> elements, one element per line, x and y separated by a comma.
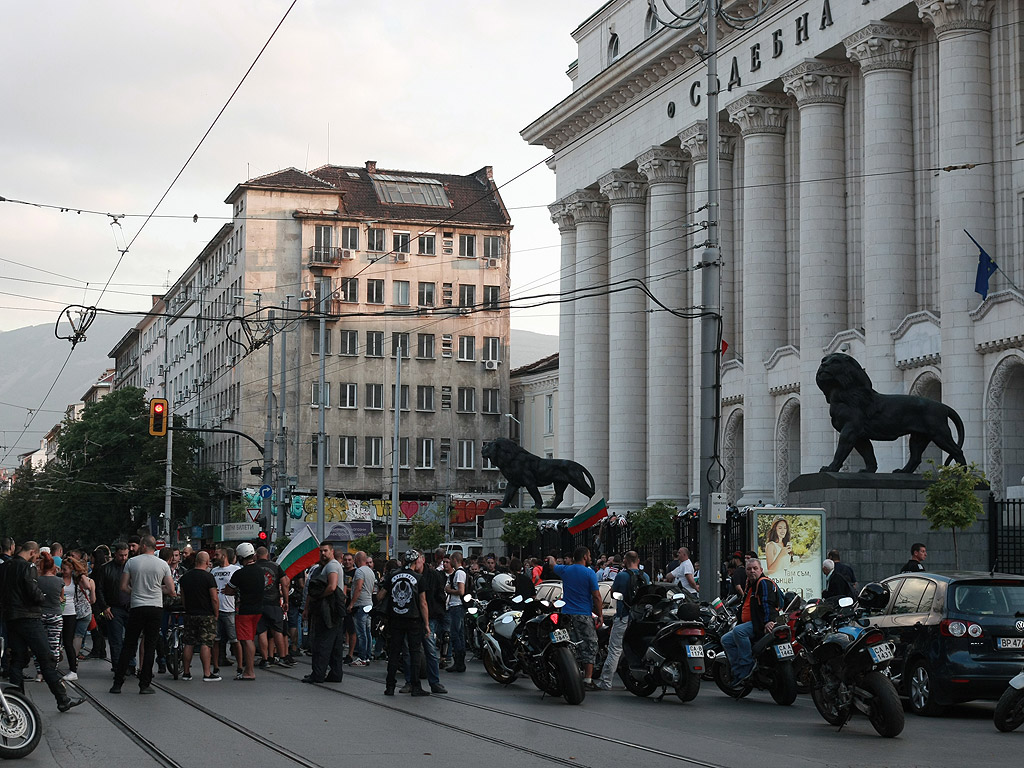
<point>27,635</point>
<point>362,621</point>
<point>430,646</point>
<point>115,634</point>
<point>143,621</point>
<point>457,617</point>
<point>738,649</point>
<point>611,661</point>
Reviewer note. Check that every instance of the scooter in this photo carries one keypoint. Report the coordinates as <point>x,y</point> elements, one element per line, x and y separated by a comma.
<point>1010,709</point>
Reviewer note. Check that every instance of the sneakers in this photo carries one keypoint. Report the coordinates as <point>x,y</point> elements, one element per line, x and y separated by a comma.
<point>115,688</point>
<point>161,668</point>
<point>262,665</point>
<point>389,691</point>
<point>438,688</point>
<point>590,685</point>
<point>420,692</point>
<point>187,677</point>
<point>287,661</point>
<point>347,660</point>
<point>407,688</point>
<point>70,677</point>
<point>67,703</point>
<point>359,663</point>
<point>214,678</point>
<point>146,689</point>
<point>273,661</point>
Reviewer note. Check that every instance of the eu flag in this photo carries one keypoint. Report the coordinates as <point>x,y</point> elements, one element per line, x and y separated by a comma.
<point>986,268</point>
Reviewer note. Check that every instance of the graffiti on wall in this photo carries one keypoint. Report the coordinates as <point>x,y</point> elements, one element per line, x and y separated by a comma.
<point>341,510</point>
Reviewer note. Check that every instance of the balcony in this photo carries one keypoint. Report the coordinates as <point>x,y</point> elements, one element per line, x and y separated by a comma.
<point>328,257</point>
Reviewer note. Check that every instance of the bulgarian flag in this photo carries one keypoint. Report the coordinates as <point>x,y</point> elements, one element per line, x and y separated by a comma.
<point>589,515</point>
<point>301,552</point>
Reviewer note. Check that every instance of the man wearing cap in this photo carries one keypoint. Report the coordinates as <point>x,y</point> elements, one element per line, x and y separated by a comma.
<point>408,620</point>
<point>247,584</point>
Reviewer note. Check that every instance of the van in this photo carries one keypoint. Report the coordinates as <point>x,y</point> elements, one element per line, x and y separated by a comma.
<point>466,548</point>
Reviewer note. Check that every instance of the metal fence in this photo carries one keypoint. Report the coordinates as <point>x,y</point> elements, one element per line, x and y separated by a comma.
<point>1006,529</point>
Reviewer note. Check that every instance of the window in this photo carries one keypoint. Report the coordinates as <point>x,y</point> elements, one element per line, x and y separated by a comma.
<point>409,190</point>
<point>425,295</point>
<point>347,451</point>
<point>349,343</point>
<point>322,290</point>
<point>488,464</point>
<point>403,451</point>
<point>405,397</point>
<point>492,348</point>
<point>374,451</point>
<point>401,242</point>
<point>613,48</point>
<point>467,399</point>
<point>322,246</point>
<point>401,288</point>
<point>425,346</point>
<point>400,340</point>
<point>375,343</point>
<point>427,245</point>
<point>446,345</point>
<point>491,400</point>
<point>910,596</point>
<point>549,414</point>
<point>314,395</point>
<point>424,398</point>
<point>466,454</point>
<point>492,295</point>
<point>374,239</point>
<point>327,341</point>
<point>314,445</point>
<point>374,291</point>
<point>375,397</point>
<point>492,247</point>
<point>446,294</point>
<point>350,289</point>
<point>650,23</point>
<point>467,347</point>
<point>350,238</point>
<point>425,453</point>
<point>347,395</point>
<point>467,295</point>
<point>467,246</point>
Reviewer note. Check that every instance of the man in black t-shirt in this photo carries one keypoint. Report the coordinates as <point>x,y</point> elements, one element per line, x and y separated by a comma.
<point>918,552</point>
<point>202,606</point>
<point>275,606</point>
<point>247,585</point>
<point>408,620</point>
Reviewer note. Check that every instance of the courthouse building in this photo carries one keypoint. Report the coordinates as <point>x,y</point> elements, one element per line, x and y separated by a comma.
<point>859,140</point>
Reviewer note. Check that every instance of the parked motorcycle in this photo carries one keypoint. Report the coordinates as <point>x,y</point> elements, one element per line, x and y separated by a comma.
<point>1010,709</point>
<point>773,666</point>
<point>498,644</point>
<point>21,726</point>
<point>663,644</point>
<point>849,661</point>
<point>544,651</point>
<point>718,618</point>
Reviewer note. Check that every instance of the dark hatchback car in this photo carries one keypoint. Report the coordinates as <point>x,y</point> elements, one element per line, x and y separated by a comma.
<point>958,636</point>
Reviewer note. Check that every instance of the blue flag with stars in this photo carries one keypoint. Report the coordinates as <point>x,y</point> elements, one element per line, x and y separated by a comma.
<point>986,268</point>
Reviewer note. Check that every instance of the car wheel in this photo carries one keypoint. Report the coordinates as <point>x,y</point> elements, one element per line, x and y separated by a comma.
<point>921,690</point>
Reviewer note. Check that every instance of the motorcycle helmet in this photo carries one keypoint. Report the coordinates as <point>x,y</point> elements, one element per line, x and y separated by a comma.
<point>411,556</point>
<point>503,582</point>
<point>874,596</point>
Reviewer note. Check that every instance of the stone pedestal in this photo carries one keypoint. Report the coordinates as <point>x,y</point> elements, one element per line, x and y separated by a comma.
<point>872,519</point>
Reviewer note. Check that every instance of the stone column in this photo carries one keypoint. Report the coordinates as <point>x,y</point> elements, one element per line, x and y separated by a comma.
<point>627,341</point>
<point>762,121</point>
<point>561,216</point>
<point>966,198</point>
<point>669,419</point>
<point>820,91</point>
<point>590,335</point>
<point>885,54</point>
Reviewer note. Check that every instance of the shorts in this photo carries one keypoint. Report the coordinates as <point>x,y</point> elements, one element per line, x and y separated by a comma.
<point>349,626</point>
<point>583,633</point>
<point>226,627</point>
<point>200,630</point>
<point>271,619</point>
<point>82,626</point>
<point>245,625</point>
<point>294,618</point>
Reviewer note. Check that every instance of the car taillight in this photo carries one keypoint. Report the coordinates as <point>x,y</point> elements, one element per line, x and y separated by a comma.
<point>959,628</point>
<point>782,632</point>
<point>554,618</point>
<point>691,631</point>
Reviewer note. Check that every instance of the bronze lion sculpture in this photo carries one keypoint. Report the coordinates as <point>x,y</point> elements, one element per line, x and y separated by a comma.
<point>860,414</point>
<point>523,469</point>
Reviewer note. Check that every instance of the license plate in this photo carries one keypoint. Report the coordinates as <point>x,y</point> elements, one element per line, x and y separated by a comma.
<point>784,650</point>
<point>1010,643</point>
<point>880,652</point>
<point>560,636</point>
<point>695,651</point>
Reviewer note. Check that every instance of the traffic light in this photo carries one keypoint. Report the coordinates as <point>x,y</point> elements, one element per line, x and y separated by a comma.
<point>263,535</point>
<point>158,417</point>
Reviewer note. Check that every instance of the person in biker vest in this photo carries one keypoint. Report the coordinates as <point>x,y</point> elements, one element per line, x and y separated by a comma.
<point>758,615</point>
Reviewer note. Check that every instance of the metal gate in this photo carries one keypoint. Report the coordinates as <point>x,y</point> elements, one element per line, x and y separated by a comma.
<point>1006,529</point>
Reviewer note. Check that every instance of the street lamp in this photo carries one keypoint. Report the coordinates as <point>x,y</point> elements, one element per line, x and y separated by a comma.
<point>517,421</point>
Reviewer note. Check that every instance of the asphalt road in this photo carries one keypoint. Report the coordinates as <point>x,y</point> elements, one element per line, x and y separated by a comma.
<point>481,723</point>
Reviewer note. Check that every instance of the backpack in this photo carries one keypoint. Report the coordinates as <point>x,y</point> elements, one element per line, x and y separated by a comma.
<point>637,579</point>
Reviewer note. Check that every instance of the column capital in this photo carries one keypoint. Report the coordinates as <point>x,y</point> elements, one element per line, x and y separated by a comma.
<point>760,113</point>
<point>818,82</point>
<point>622,186</point>
<point>562,216</point>
<point>881,45</point>
<point>587,206</point>
<point>662,164</point>
<point>694,139</point>
<point>957,15</point>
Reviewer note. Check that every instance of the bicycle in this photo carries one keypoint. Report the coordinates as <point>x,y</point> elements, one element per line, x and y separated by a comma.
<point>175,645</point>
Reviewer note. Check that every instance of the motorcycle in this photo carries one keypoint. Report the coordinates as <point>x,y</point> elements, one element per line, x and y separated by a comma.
<point>544,651</point>
<point>718,618</point>
<point>773,665</point>
<point>1010,708</point>
<point>849,662</point>
<point>662,645</point>
<point>21,726</point>
<point>498,643</point>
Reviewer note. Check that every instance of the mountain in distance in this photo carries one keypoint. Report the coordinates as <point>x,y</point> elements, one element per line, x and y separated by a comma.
<point>529,347</point>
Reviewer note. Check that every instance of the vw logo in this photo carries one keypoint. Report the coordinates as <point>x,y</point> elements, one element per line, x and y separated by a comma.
<point>1019,626</point>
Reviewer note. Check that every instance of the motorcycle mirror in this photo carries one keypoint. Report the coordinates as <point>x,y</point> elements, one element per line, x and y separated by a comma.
<point>845,602</point>
<point>467,598</point>
<point>545,603</point>
<point>618,595</point>
<point>517,599</point>
<point>559,603</point>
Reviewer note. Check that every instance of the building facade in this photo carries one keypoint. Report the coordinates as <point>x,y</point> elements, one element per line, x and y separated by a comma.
<point>534,397</point>
<point>859,140</point>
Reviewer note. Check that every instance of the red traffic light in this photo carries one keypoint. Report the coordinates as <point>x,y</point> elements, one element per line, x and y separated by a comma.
<point>158,417</point>
<point>159,407</point>
<point>262,536</point>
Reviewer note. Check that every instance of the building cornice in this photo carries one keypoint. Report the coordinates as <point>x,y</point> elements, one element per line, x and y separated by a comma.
<point>779,354</point>
<point>993,300</point>
<point>913,319</point>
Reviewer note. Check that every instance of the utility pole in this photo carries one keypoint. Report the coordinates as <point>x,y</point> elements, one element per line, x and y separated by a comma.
<point>168,465</point>
<point>268,434</point>
<point>321,505</point>
<point>282,431</point>
<point>396,449</point>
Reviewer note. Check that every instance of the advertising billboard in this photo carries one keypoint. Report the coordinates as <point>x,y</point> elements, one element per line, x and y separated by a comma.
<point>791,545</point>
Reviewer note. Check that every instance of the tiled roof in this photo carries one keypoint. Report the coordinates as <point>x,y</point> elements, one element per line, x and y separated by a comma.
<point>290,178</point>
<point>549,363</point>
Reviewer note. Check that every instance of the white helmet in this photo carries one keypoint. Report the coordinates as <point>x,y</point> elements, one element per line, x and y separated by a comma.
<point>244,550</point>
<point>503,582</point>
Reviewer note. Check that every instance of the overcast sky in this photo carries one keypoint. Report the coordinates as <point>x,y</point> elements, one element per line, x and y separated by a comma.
<point>103,101</point>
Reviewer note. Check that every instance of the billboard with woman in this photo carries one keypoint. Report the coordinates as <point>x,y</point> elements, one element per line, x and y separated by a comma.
<point>791,545</point>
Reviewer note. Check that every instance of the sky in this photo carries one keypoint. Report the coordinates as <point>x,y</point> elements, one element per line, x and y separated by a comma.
<point>104,101</point>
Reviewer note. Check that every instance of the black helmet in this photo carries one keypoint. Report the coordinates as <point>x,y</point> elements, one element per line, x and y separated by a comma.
<point>412,555</point>
<point>874,596</point>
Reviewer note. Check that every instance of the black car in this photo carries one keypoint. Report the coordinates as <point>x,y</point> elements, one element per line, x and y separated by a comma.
<point>957,636</point>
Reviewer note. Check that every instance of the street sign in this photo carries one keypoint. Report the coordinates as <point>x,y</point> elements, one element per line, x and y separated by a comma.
<point>160,543</point>
<point>719,508</point>
<point>266,491</point>
<point>254,513</point>
<point>236,531</point>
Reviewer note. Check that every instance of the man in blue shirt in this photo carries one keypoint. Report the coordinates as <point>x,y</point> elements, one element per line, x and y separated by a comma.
<point>625,580</point>
<point>582,603</point>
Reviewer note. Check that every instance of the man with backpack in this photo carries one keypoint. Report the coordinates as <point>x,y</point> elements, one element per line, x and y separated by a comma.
<point>457,588</point>
<point>761,602</point>
<point>627,582</point>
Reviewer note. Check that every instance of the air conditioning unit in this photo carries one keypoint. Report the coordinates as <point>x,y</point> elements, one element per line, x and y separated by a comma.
<point>346,255</point>
<point>401,258</point>
<point>308,295</point>
<point>502,485</point>
<point>492,263</point>
<point>225,415</point>
<point>492,365</point>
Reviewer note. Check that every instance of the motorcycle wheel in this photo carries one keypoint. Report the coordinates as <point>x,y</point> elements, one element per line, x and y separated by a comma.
<point>1010,710</point>
<point>569,678</point>
<point>832,714</point>
<point>638,687</point>
<point>723,679</point>
<point>783,688</point>
<point>19,733</point>
<point>886,711</point>
<point>495,671</point>
<point>690,688</point>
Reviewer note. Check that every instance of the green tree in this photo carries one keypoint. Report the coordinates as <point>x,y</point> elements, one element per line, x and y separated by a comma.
<point>426,537</point>
<point>950,501</point>
<point>520,528</point>
<point>652,524</point>
<point>369,544</point>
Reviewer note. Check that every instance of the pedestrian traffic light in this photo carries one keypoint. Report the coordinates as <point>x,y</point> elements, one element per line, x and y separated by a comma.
<point>158,417</point>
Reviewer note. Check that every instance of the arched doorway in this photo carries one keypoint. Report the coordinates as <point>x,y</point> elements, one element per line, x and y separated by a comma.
<point>732,456</point>
<point>787,448</point>
<point>927,385</point>
<point>1004,422</point>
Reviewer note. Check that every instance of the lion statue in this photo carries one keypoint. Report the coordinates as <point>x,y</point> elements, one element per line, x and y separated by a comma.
<point>523,469</point>
<point>860,415</point>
